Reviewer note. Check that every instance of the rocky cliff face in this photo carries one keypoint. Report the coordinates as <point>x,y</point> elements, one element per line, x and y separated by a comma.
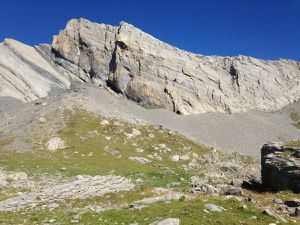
<point>154,73</point>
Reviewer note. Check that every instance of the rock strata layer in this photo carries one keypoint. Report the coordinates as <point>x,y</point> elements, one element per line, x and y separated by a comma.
<point>280,167</point>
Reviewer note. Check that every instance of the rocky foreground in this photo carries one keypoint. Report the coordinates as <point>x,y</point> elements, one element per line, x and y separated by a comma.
<point>147,71</point>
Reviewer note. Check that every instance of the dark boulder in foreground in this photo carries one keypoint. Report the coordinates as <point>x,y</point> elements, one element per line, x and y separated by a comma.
<point>280,167</point>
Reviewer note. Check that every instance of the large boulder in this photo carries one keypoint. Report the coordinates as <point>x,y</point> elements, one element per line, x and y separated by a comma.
<point>280,167</point>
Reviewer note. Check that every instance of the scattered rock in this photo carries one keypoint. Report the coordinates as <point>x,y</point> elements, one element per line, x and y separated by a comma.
<point>204,189</point>
<point>80,187</point>
<point>250,199</point>
<point>233,191</point>
<point>53,206</point>
<point>165,197</point>
<point>139,150</point>
<point>104,122</point>
<point>133,134</point>
<point>168,221</point>
<point>141,160</point>
<point>42,120</point>
<point>214,208</point>
<point>55,143</point>
<point>237,183</point>
<point>269,213</point>
<point>175,158</point>
<point>151,135</point>
<point>277,201</point>
<point>17,176</point>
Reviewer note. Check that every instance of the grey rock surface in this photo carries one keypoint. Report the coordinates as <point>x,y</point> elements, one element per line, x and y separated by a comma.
<point>214,208</point>
<point>25,74</point>
<point>280,166</point>
<point>168,221</point>
<point>81,187</point>
<point>151,72</point>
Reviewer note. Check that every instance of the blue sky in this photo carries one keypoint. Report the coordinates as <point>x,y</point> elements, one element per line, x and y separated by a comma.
<point>267,29</point>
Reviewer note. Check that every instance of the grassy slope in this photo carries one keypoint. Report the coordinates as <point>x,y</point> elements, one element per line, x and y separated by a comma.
<point>89,152</point>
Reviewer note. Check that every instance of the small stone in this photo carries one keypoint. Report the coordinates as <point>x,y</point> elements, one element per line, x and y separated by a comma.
<point>175,158</point>
<point>277,201</point>
<point>151,135</point>
<point>233,191</point>
<point>17,176</point>
<point>139,150</point>
<point>55,143</point>
<point>250,199</point>
<point>236,182</point>
<point>52,220</point>
<point>63,168</point>
<point>214,208</point>
<point>168,221</point>
<point>53,205</point>
<point>244,207</point>
<point>42,120</point>
<point>141,160</point>
<point>104,122</point>
<point>162,146</point>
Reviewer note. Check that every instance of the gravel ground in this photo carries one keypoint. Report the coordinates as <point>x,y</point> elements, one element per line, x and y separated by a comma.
<point>243,132</point>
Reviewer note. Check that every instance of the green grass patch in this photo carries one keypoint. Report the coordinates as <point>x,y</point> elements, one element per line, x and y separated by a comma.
<point>295,143</point>
<point>295,116</point>
<point>189,213</point>
<point>96,149</point>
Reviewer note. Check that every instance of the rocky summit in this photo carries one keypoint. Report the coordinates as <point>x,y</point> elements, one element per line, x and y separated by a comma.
<point>109,125</point>
<point>146,70</point>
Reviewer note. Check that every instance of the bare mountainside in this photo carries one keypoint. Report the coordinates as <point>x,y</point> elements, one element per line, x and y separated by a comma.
<point>146,71</point>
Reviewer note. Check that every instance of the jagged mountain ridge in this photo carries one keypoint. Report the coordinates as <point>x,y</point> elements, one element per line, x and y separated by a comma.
<point>151,72</point>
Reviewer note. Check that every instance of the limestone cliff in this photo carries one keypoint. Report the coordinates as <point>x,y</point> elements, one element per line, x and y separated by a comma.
<point>151,72</point>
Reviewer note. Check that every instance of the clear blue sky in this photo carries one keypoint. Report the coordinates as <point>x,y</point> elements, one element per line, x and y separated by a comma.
<point>268,29</point>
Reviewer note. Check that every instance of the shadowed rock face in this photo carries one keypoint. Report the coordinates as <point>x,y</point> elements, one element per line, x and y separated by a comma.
<point>280,167</point>
<point>153,73</point>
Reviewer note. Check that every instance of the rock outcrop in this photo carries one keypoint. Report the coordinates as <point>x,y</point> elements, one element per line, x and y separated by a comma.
<point>147,70</point>
<point>280,167</point>
<point>25,74</point>
<point>81,187</point>
<point>154,73</point>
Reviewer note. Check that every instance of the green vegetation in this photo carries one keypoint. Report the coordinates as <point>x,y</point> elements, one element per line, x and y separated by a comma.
<point>94,149</point>
<point>295,117</point>
<point>100,146</point>
<point>295,143</point>
<point>189,212</point>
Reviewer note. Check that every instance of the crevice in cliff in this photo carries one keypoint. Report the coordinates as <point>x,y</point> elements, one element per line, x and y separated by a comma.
<point>234,76</point>
<point>171,100</point>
